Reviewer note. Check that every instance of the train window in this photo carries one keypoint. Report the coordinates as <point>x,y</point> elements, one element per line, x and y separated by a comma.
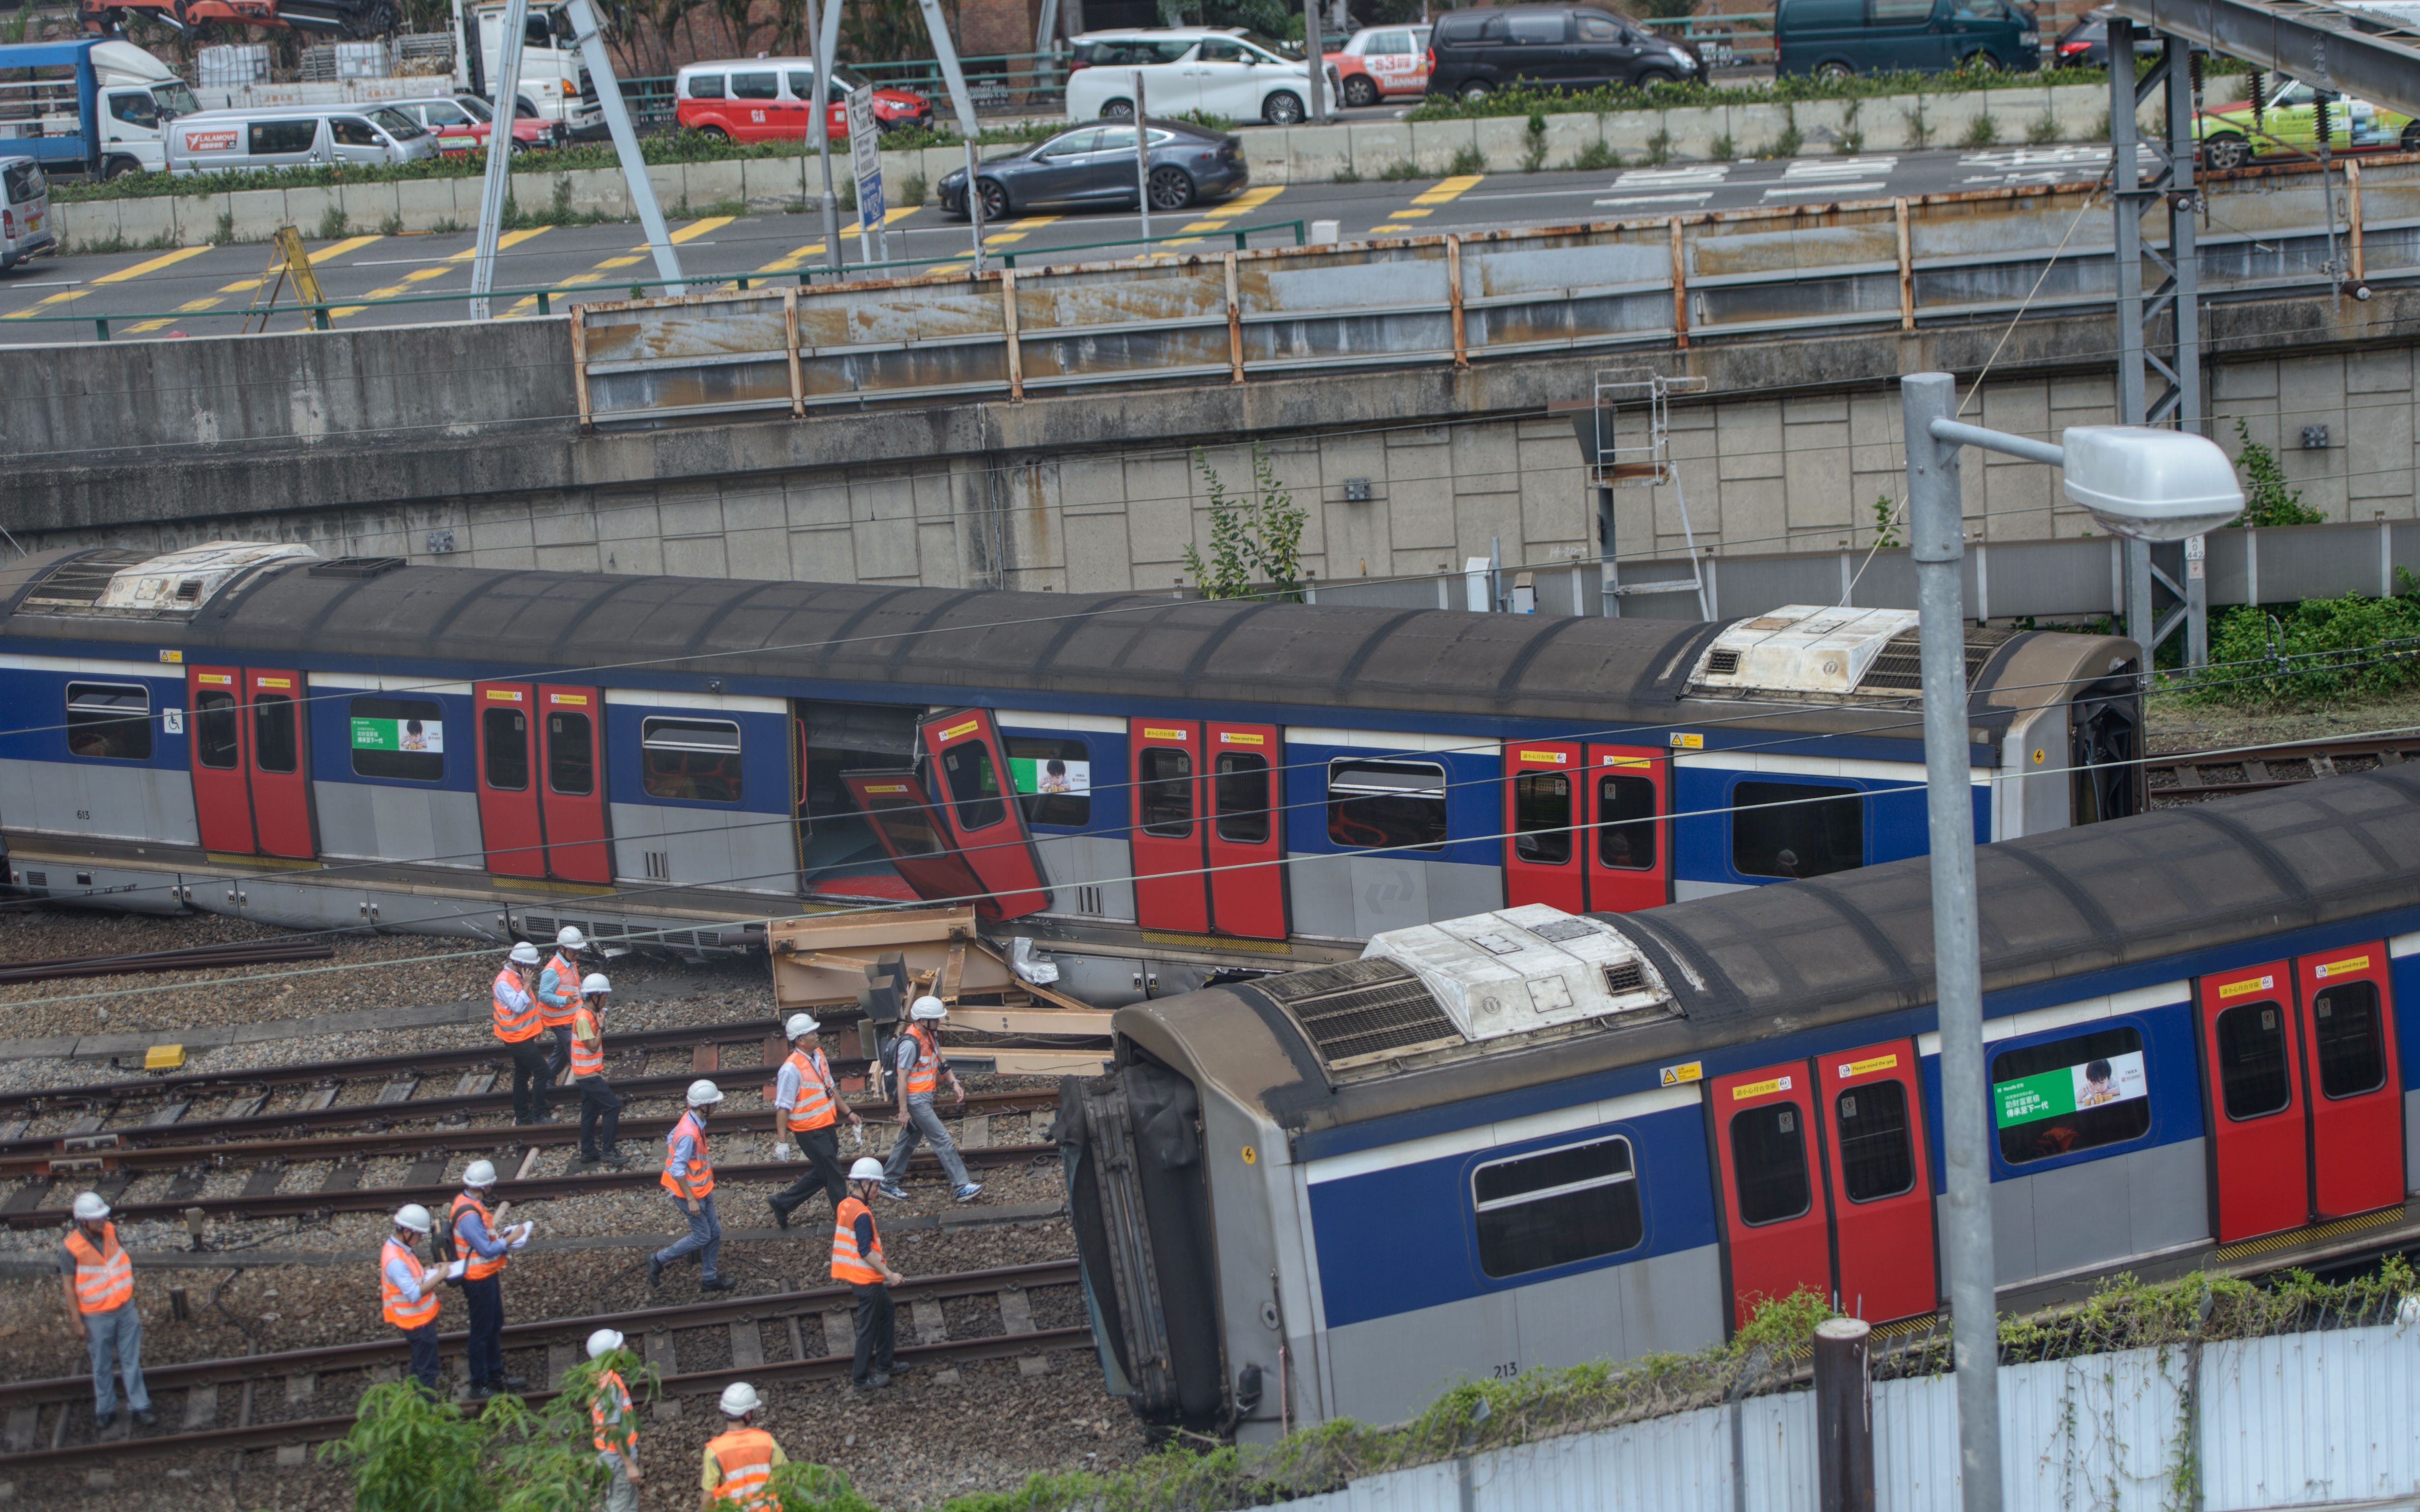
<point>1877,1154</point>
<point>1166,796</point>
<point>909,825</point>
<point>1387,803</point>
<point>1769,1163</point>
<point>697,760</point>
<point>109,721</point>
<point>403,738</point>
<point>1240,791</point>
<point>1625,816</point>
<point>1054,779</point>
<point>2351,1037</point>
<point>1541,818</point>
<point>2254,1076</point>
<point>506,734</point>
<point>275,748</point>
<point>974,787</point>
<point>214,729</point>
<point>571,755</point>
<point>2065,1095</point>
<point>1556,1207</point>
<point>1797,830</point>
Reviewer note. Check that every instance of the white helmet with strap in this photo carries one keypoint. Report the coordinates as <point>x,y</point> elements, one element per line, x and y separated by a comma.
<point>800,1025</point>
<point>740,1399</point>
<point>570,938</point>
<point>413,1216</point>
<point>928,1008</point>
<point>480,1173</point>
<point>90,1207</point>
<point>703,1093</point>
<point>866,1169</point>
<point>604,1341</point>
<point>596,984</point>
<point>524,954</point>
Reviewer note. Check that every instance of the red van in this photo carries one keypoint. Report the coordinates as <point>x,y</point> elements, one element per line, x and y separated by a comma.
<point>768,98</point>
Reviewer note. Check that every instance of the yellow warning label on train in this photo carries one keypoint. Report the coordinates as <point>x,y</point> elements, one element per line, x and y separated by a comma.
<point>957,729</point>
<point>1870,1065</point>
<point>2337,968</point>
<point>2243,989</point>
<point>1748,1089</point>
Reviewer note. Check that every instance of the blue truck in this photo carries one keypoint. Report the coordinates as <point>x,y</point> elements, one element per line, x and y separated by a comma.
<point>96,108</point>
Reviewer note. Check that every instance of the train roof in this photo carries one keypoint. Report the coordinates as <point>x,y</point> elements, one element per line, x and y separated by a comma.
<point>1772,961</point>
<point>987,641</point>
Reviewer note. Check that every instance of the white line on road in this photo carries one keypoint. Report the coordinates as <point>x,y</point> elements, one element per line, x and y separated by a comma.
<point>1825,189</point>
<point>1661,199</point>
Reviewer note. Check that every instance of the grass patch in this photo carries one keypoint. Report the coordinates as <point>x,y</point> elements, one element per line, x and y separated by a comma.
<point>1467,161</point>
<point>1594,157</point>
<point>1396,172</point>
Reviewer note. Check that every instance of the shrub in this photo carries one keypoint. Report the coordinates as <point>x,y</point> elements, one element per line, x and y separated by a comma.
<point>1468,161</point>
<point>2267,500</point>
<point>1593,156</point>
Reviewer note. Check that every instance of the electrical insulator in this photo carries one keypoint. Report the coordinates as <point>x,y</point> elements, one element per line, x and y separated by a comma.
<point>2260,97</point>
<point>2322,101</point>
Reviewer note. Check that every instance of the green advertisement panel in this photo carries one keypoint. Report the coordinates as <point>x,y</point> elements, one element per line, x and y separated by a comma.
<point>1050,775</point>
<point>400,734</point>
<point>2051,1094</point>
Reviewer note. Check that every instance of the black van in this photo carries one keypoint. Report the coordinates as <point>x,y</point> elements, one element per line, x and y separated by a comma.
<point>1837,38</point>
<point>1474,53</point>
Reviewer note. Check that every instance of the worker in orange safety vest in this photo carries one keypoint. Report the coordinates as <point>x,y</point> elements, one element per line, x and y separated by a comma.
<point>405,1299</point>
<point>518,1026</point>
<point>739,1460</point>
<point>614,1428</point>
<point>99,1281</point>
<point>857,1262</point>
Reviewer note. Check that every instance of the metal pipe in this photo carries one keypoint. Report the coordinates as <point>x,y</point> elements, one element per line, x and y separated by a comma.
<point>642,190</point>
<point>1958,433</point>
<point>1142,162</point>
<point>819,121</point>
<point>1315,47</point>
<point>1844,1417</point>
<point>495,186</point>
<point>1936,531</point>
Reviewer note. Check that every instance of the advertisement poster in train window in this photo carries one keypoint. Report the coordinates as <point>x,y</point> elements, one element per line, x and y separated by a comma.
<point>1038,774</point>
<point>2051,1094</point>
<point>400,734</point>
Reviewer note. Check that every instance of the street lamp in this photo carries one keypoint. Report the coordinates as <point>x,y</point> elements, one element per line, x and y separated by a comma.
<point>2137,481</point>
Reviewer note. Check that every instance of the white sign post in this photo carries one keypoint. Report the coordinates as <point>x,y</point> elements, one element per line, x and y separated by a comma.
<point>865,154</point>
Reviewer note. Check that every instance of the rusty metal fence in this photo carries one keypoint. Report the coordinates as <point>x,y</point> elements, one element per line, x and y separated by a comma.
<point>1233,316</point>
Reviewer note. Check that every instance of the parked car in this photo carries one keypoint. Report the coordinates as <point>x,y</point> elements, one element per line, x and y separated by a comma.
<point>25,212</point>
<point>771,99</point>
<point>1840,38</point>
<point>1219,71</point>
<point>2289,120</point>
<point>1382,61</point>
<point>1472,53</point>
<point>461,123</point>
<point>295,136</point>
<point>2085,44</point>
<point>1096,165</point>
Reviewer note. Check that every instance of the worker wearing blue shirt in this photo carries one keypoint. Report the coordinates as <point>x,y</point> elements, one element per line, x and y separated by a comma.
<point>484,1250</point>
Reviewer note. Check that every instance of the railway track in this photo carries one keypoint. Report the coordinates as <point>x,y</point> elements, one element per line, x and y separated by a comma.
<point>2197,776</point>
<point>278,1401</point>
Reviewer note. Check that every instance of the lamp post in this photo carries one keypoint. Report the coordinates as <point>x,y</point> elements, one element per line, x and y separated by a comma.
<point>2141,483</point>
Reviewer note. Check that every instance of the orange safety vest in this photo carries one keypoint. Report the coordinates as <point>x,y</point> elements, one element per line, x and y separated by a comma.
<point>476,1267</point>
<point>567,978</point>
<point>926,1075</point>
<point>513,1027</point>
<point>848,1265</point>
<point>611,1393</point>
<point>105,1278</point>
<point>813,1109</point>
<point>586,1059</point>
<point>400,1313</point>
<point>700,1165</point>
<point>745,1457</point>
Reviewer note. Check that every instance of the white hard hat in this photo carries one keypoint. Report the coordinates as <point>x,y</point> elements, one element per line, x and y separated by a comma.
<point>480,1173</point>
<point>740,1399</point>
<point>928,1008</point>
<point>570,938</point>
<point>90,1208</point>
<point>595,983</point>
<point>703,1093</point>
<point>413,1216</point>
<point>524,954</point>
<point>604,1341</point>
<point>800,1025</point>
<point>866,1169</point>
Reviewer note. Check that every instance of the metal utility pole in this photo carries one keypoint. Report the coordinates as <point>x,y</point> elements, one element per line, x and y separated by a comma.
<point>590,39</point>
<point>1844,1417</point>
<point>1929,407</point>
<point>1311,44</point>
<point>821,126</point>
<point>496,186</point>
<point>1142,160</point>
<point>963,105</point>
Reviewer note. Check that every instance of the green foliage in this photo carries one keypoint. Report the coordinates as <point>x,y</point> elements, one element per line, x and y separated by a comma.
<point>1665,9</point>
<point>1982,131</point>
<point>1521,100</point>
<point>1785,145</point>
<point>2323,648</point>
<point>2042,130</point>
<point>1254,541</point>
<point>1594,156</point>
<point>1659,149</point>
<point>1919,128</point>
<point>1724,148</point>
<point>1533,150</point>
<point>411,1452</point>
<point>2267,500</point>
<point>1402,172</point>
<point>804,1487</point>
<point>1468,161</point>
<point>913,190</point>
<point>1346,174</point>
<point>1886,523</point>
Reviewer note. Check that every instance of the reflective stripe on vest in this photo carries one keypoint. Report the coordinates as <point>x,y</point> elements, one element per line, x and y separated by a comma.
<point>745,1457</point>
<point>814,1105</point>
<point>586,1059</point>
<point>922,1080</point>
<point>513,1027</point>
<point>105,1278</point>
<point>612,1436</point>
<point>400,1313</point>
<point>567,982</point>
<point>848,1265</point>
<point>475,1267</point>
<point>700,1165</point>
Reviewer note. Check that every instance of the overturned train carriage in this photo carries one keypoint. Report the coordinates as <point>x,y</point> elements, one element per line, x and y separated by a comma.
<point>1529,1138</point>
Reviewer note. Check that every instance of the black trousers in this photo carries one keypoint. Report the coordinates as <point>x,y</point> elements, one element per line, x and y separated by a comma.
<point>821,1147</point>
<point>877,1329</point>
<point>529,1078</point>
<point>423,1353</point>
<point>484,1356</point>
<point>560,1056</point>
<point>598,1104</point>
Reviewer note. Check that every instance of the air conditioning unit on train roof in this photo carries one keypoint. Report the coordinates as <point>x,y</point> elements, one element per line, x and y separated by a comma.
<point>1801,648</point>
<point>1527,969</point>
<point>174,582</point>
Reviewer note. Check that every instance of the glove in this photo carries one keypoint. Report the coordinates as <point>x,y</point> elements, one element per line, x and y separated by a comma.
<point>781,1152</point>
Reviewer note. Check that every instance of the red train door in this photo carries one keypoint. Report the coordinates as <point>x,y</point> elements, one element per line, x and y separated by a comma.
<point>1246,835</point>
<point>1543,834</point>
<point>895,804</point>
<point>1776,1213</point>
<point>979,812</point>
<point>1171,891</point>
<point>510,828</point>
<point>280,765</point>
<point>1629,850</point>
<point>571,728</point>
<point>218,731</point>
<point>2252,1084</point>
<point>2354,1088</point>
<point>1880,1181</point>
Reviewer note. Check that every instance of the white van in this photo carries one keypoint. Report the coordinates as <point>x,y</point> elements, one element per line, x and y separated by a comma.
<point>303,136</point>
<point>1218,71</point>
<point>25,212</point>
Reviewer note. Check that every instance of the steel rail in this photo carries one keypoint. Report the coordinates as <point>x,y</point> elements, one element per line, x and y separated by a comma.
<point>199,958</point>
<point>2212,774</point>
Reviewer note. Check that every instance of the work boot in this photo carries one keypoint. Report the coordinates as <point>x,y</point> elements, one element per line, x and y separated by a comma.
<point>872,1383</point>
<point>104,1421</point>
<point>146,1419</point>
<point>590,1157</point>
<point>480,1391</point>
<point>614,1158</point>
<point>655,1270</point>
<point>781,1213</point>
<point>720,1283</point>
<point>512,1384</point>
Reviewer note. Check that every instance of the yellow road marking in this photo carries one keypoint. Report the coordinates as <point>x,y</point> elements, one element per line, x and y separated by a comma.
<point>246,285</point>
<point>1243,203</point>
<point>1409,215</point>
<point>338,249</point>
<point>168,260</point>
<point>510,238</point>
<point>694,230</point>
<point>1447,189</point>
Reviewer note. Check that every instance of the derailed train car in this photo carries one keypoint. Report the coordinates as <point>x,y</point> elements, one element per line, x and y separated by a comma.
<point>1530,1138</point>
